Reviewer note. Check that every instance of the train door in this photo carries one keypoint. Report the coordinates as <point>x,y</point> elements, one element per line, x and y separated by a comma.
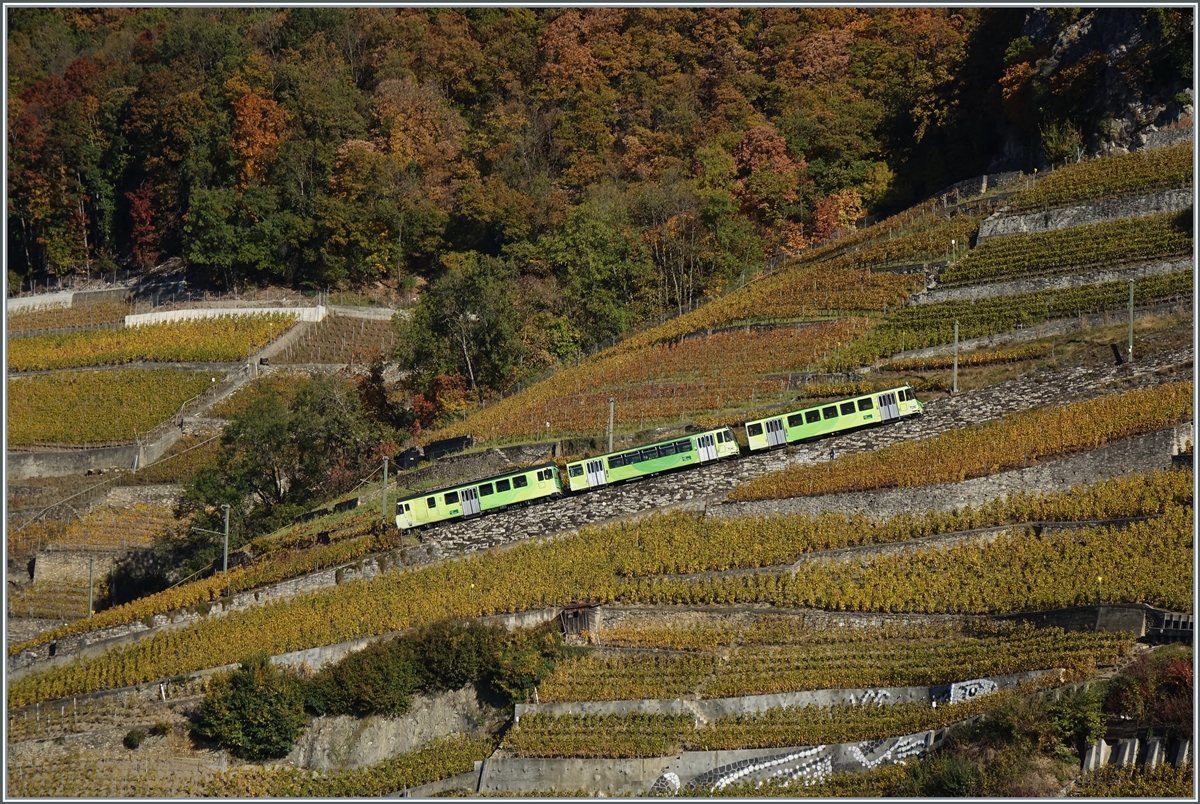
<point>775,434</point>
<point>707,446</point>
<point>470,501</point>
<point>889,408</point>
<point>595,473</point>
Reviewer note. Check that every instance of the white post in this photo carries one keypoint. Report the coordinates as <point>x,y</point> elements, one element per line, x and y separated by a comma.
<point>385,468</point>
<point>610,423</point>
<point>225,562</point>
<point>1130,320</point>
<point>954,384</point>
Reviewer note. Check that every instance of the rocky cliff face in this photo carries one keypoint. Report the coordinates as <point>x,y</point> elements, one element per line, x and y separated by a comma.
<point>1096,81</point>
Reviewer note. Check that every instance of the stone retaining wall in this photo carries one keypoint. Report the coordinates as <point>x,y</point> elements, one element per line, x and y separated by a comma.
<point>991,291</point>
<point>1001,225</point>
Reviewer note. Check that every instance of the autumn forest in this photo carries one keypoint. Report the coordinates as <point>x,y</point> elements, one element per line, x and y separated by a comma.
<point>576,173</point>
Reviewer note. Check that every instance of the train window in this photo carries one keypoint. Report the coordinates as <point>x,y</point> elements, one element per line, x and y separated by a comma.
<point>575,470</point>
<point>406,508</point>
<point>812,416</point>
<point>795,420</point>
<point>432,502</point>
<point>829,412</point>
<point>754,429</point>
<point>720,437</point>
<point>909,395</point>
<point>847,408</point>
<point>485,489</point>
<point>666,449</point>
<point>616,462</point>
<point>683,446</point>
<point>503,485</point>
<point>452,498</point>
<point>865,404</point>
<point>520,482</point>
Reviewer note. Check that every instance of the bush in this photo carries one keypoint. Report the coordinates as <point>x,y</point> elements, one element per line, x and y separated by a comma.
<point>256,712</point>
<point>134,738</point>
<point>379,679</point>
<point>382,678</point>
<point>1156,691</point>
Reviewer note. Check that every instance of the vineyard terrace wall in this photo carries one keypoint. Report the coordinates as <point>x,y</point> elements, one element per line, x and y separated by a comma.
<point>999,224</point>
<point>1141,454</point>
<point>302,314</point>
<point>710,709</point>
<point>1016,286</point>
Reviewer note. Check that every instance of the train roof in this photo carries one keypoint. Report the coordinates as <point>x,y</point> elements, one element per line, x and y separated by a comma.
<point>464,484</point>
<point>650,444</point>
<point>827,404</point>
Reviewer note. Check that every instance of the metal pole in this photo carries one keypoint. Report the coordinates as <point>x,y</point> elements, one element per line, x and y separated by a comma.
<point>1130,320</point>
<point>385,463</point>
<point>610,423</point>
<point>91,564</point>
<point>954,384</point>
<point>225,561</point>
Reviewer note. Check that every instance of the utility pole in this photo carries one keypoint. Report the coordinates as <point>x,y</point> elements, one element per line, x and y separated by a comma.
<point>385,464</point>
<point>610,423</point>
<point>1130,320</point>
<point>954,384</point>
<point>91,566</point>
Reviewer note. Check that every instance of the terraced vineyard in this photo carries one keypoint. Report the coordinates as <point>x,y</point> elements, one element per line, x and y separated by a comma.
<point>85,407</point>
<point>647,735</point>
<point>867,658</point>
<point>1102,245</point>
<point>81,316</point>
<point>340,339</point>
<point>225,339</point>
<point>663,382</point>
<point>1134,173</point>
<point>922,325</point>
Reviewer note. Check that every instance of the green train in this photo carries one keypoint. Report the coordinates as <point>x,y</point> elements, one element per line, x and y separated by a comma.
<point>879,407</point>
<point>545,482</point>
<point>517,487</point>
<point>650,459</point>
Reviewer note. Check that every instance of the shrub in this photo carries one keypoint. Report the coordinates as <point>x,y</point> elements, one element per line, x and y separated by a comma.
<point>134,738</point>
<point>256,712</point>
<point>1156,690</point>
<point>379,679</point>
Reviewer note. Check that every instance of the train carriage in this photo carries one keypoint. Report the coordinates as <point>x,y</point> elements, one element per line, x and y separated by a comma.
<point>878,407</point>
<point>479,496</point>
<point>650,459</point>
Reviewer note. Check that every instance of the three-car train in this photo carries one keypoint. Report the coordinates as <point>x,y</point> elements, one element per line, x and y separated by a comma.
<point>546,481</point>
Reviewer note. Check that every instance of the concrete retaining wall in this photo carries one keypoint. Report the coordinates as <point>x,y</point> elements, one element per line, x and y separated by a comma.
<point>995,289</point>
<point>613,777</point>
<point>697,770</point>
<point>1141,454</point>
<point>1001,225</point>
<point>302,314</point>
<point>23,465</point>
<point>41,301</point>
<point>333,742</point>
